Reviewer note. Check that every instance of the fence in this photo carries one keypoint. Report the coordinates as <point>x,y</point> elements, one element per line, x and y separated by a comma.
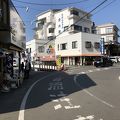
<point>43,67</point>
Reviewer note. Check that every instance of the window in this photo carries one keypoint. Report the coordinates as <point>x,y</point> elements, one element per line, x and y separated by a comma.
<point>59,25</point>
<point>76,27</point>
<point>74,44</point>
<point>41,49</point>
<point>28,50</point>
<point>63,46</point>
<point>74,12</point>
<point>51,37</point>
<point>65,28</point>
<point>59,19</point>
<point>59,31</point>
<point>98,31</point>
<point>109,38</point>
<point>88,44</point>
<point>87,30</point>
<point>96,45</point>
<point>51,30</point>
<point>109,30</point>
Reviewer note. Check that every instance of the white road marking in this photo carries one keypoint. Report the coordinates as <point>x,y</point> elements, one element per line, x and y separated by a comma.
<point>82,73</point>
<point>106,68</point>
<point>98,69</point>
<point>119,77</point>
<point>90,70</point>
<point>102,101</point>
<point>90,117</point>
<point>55,100</point>
<point>22,106</point>
<point>57,107</point>
<point>52,95</point>
<point>64,99</point>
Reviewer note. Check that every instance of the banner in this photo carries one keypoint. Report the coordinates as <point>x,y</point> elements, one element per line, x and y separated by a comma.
<point>102,46</point>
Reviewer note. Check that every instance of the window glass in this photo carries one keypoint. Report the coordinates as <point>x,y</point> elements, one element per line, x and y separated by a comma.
<point>74,44</point>
<point>109,30</point>
<point>41,49</point>
<point>88,44</point>
<point>74,12</point>
<point>87,30</point>
<point>63,46</point>
<point>96,45</point>
<point>51,30</point>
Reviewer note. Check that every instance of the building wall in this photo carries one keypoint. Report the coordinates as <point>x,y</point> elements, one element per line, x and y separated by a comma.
<point>90,51</point>
<point>81,38</point>
<point>64,18</point>
<point>108,31</point>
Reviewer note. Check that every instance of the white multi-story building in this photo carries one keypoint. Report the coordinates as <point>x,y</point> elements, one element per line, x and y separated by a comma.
<point>77,48</point>
<point>70,29</point>
<point>109,33</point>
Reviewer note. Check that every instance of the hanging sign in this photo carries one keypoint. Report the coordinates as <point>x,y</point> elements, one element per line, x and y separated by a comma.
<point>102,46</point>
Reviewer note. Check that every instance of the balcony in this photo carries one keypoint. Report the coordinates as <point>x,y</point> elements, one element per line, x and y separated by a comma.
<point>72,16</point>
<point>75,29</point>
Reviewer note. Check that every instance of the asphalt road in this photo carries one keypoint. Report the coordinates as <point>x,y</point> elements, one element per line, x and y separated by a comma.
<point>81,93</point>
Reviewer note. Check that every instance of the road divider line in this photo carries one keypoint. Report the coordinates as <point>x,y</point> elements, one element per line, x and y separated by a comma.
<point>119,77</point>
<point>89,93</point>
<point>22,107</point>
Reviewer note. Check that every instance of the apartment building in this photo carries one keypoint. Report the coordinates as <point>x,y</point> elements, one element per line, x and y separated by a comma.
<point>76,43</point>
<point>65,26</point>
<point>109,33</point>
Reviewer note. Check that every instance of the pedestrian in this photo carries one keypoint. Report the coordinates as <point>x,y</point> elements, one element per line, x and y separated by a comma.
<point>22,67</point>
<point>27,69</point>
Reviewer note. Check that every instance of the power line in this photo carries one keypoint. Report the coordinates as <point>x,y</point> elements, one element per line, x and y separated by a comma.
<point>105,6</point>
<point>81,19</point>
<point>45,4</point>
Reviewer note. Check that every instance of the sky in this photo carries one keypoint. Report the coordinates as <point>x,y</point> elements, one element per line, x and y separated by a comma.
<point>108,12</point>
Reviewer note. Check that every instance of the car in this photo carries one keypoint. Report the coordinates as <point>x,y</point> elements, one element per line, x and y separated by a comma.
<point>115,59</point>
<point>103,62</point>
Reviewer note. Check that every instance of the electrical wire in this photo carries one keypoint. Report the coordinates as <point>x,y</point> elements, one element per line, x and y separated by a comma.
<point>105,6</point>
<point>45,4</point>
<point>82,19</point>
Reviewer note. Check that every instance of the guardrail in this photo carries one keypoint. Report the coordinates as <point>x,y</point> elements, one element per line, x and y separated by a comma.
<point>43,67</point>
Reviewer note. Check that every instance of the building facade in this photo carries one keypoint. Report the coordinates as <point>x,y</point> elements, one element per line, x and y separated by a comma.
<point>12,37</point>
<point>65,27</point>
<point>109,33</point>
<point>38,50</point>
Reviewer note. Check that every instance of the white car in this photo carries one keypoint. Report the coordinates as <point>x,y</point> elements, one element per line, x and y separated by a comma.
<point>115,59</point>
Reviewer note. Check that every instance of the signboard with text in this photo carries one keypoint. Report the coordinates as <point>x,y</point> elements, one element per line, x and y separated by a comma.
<point>102,46</point>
